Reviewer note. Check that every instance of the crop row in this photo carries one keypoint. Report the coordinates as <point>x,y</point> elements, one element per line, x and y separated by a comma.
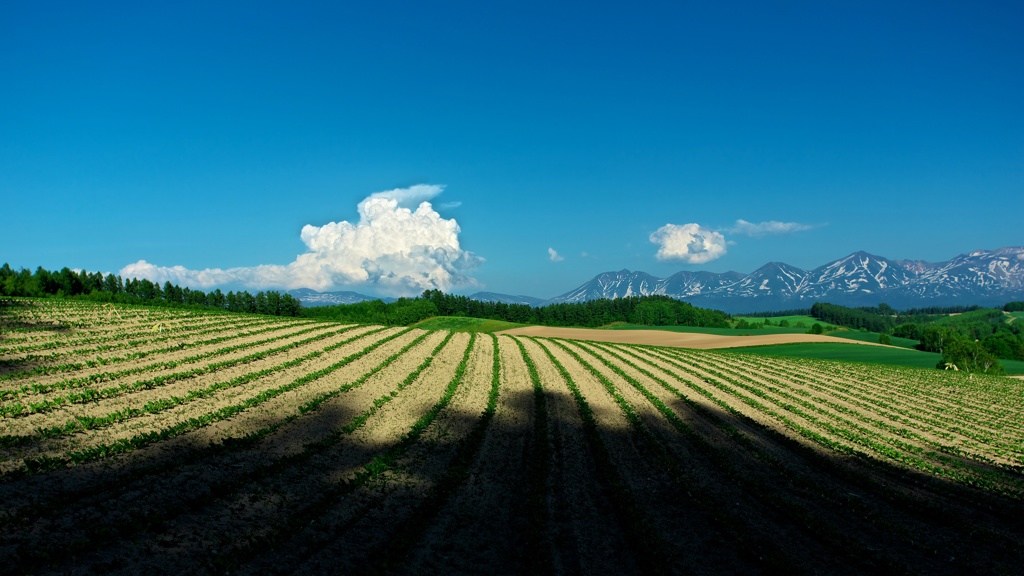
<point>105,343</point>
<point>234,333</point>
<point>836,432</point>
<point>910,416</point>
<point>377,450</point>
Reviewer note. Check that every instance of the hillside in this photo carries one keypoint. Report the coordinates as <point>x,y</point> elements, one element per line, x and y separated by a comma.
<point>167,440</point>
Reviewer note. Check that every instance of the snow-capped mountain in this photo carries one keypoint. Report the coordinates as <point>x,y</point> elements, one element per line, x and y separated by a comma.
<point>311,298</point>
<point>983,273</point>
<point>983,277</point>
<point>858,273</point>
<point>687,283</point>
<point>774,279</point>
<point>506,299</point>
<point>621,284</point>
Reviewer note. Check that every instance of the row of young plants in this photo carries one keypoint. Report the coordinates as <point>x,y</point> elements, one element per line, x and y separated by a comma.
<point>829,425</point>
<point>297,523</point>
<point>886,394</point>
<point>256,469</point>
<point>912,392</point>
<point>647,545</point>
<point>44,463</point>
<point>987,401</point>
<point>992,397</point>
<point>85,423</point>
<point>80,392</point>
<point>911,414</point>
<point>29,319</point>
<point>145,344</point>
<point>770,501</point>
<point>409,532</point>
<point>538,470</point>
<point>183,341</point>
<point>924,452</point>
<point>125,335</point>
<point>862,473</point>
<point>98,341</point>
<point>142,470</point>
<point>759,547</point>
<point>885,446</point>
<point>866,473</point>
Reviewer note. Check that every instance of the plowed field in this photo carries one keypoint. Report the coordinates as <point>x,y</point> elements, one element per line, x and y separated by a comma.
<point>137,440</point>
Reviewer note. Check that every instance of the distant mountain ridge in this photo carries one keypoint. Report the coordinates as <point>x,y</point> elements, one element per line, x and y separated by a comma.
<point>982,277</point>
<point>310,297</point>
<point>506,299</point>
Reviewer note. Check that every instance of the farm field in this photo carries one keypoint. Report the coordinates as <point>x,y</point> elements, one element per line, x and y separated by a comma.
<point>679,338</point>
<point>873,355</point>
<point>171,441</point>
<point>843,333</point>
<point>465,324</point>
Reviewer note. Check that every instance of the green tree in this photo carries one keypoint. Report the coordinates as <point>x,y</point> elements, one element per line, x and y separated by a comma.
<point>969,355</point>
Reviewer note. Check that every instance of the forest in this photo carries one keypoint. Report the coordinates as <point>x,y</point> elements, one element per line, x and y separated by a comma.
<point>94,286</point>
<point>969,337</point>
<point>645,310</point>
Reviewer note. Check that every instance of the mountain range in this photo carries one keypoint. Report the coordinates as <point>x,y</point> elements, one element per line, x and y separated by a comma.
<point>982,277</point>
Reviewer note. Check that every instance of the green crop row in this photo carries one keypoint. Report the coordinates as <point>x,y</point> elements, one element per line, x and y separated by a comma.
<point>92,394</point>
<point>98,361</point>
<point>82,423</point>
<point>35,465</point>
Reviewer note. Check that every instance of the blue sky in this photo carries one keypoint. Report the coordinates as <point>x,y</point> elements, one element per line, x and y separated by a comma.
<point>243,143</point>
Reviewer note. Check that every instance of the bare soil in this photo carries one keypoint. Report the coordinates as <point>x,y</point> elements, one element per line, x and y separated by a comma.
<point>380,456</point>
<point>675,339</point>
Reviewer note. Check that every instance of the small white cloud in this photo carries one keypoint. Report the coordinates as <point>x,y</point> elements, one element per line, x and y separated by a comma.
<point>691,243</point>
<point>765,228</point>
<point>449,205</point>
<point>410,197</point>
<point>400,245</point>
<point>553,255</point>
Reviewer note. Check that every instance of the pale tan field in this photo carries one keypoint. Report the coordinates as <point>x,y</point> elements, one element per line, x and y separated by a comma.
<point>674,339</point>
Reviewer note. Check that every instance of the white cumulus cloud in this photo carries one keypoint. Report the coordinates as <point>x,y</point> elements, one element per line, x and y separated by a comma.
<point>400,245</point>
<point>553,255</point>
<point>769,227</point>
<point>691,243</point>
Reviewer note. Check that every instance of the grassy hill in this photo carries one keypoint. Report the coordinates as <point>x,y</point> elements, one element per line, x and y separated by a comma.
<point>464,324</point>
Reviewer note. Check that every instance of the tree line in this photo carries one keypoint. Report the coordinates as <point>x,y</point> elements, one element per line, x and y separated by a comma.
<point>969,337</point>
<point>645,310</point>
<point>94,286</point>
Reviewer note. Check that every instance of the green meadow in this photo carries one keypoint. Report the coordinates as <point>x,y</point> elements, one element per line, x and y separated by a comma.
<point>464,324</point>
<point>774,328</point>
<point>859,353</point>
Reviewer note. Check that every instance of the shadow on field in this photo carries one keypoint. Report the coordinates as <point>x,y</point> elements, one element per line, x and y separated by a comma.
<point>478,495</point>
<point>10,323</point>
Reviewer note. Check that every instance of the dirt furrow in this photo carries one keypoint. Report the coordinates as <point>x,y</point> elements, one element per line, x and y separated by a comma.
<point>233,524</point>
<point>48,388</point>
<point>579,503</point>
<point>151,395</point>
<point>485,526</point>
<point>108,349</point>
<point>123,512</point>
<point>754,497</point>
<point>380,537</point>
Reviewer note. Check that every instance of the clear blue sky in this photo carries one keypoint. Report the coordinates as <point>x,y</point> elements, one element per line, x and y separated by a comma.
<point>207,135</point>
